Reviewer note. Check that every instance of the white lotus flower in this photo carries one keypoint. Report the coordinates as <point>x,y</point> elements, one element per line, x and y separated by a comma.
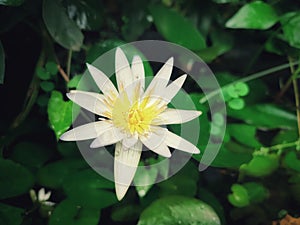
<point>131,117</point>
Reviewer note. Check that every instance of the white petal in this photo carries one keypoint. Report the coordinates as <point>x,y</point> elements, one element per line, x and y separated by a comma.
<point>125,166</point>
<point>128,142</point>
<point>86,131</point>
<point>90,101</point>
<point>123,70</point>
<point>179,143</point>
<point>102,81</point>
<point>155,141</point>
<point>110,136</point>
<point>41,194</point>
<point>175,116</point>
<point>138,71</point>
<point>46,196</point>
<point>161,79</point>
<point>173,88</point>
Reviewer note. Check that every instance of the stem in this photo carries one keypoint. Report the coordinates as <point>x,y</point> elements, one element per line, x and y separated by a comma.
<point>248,78</point>
<point>297,102</point>
<point>284,145</point>
<point>32,94</point>
<point>63,73</point>
<point>69,62</point>
<point>287,84</point>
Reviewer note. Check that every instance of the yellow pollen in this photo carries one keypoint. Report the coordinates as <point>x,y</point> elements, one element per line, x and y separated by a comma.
<point>136,117</point>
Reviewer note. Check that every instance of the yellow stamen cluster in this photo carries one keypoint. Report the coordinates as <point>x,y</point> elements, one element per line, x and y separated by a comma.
<point>136,117</point>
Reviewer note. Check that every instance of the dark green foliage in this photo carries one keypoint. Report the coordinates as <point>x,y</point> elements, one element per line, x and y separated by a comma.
<point>252,47</point>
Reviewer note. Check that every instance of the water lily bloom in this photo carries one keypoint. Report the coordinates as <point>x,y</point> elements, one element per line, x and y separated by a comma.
<point>131,116</point>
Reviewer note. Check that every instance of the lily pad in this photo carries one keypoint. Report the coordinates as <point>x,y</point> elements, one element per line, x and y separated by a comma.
<point>179,210</point>
<point>14,178</point>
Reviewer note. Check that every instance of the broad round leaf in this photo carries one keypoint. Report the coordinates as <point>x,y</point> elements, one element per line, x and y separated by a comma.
<point>14,178</point>
<point>47,86</point>
<point>42,73</point>
<point>31,154</point>
<point>51,67</point>
<point>179,210</point>
<point>62,29</point>
<point>176,28</point>
<point>10,215</point>
<point>239,196</point>
<point>89,189</point>
<point>236,103</point>
<point>254,15</point>
<point>52,175</point>
<point>69,213</point>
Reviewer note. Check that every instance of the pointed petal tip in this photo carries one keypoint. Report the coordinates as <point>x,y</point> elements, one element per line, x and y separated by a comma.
<point>121,190</point>
<point>170,61</point>
<point>196,151</point>
<point>67,136</point>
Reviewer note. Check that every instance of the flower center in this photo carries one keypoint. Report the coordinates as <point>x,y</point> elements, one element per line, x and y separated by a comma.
<point>136,117</point>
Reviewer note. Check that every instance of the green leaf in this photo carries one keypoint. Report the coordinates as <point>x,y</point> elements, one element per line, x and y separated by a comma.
<point>42,100</point>
<point>285,136</point>
<point>11,2</point>
<point>73,83</point>
<point>51,67</point>
<point>221,43</point>
<point>62,29</point>
<point>68,149</point>
<point>126,212</point>
<point>291,28</point>
<point>145,175</point>
<point>254,15</point>
<point>2,64</point>
<point>69,213</point>
<point>239,197</point>
<point>291,161</point>
<point>236,103</point>
<point>31,154</point>
<point>52,175</point>
<point>209,198</point>
<point>182,183</point>
<point>59,113</point>
<point>43,74</point>
<point>179,210</point>
<point>265,116</point>
<point>256,192</point>
<point>135,20</point>
<point>176,28</point>
<point>47,86</point>
<point>229,159</point>
<point>245,134</point>
<point>100,48</point>
<point>14,178</point>
<point>89,189</point>
<point>261,165</point>
<point>10,215</point>
<point>87,14</point>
